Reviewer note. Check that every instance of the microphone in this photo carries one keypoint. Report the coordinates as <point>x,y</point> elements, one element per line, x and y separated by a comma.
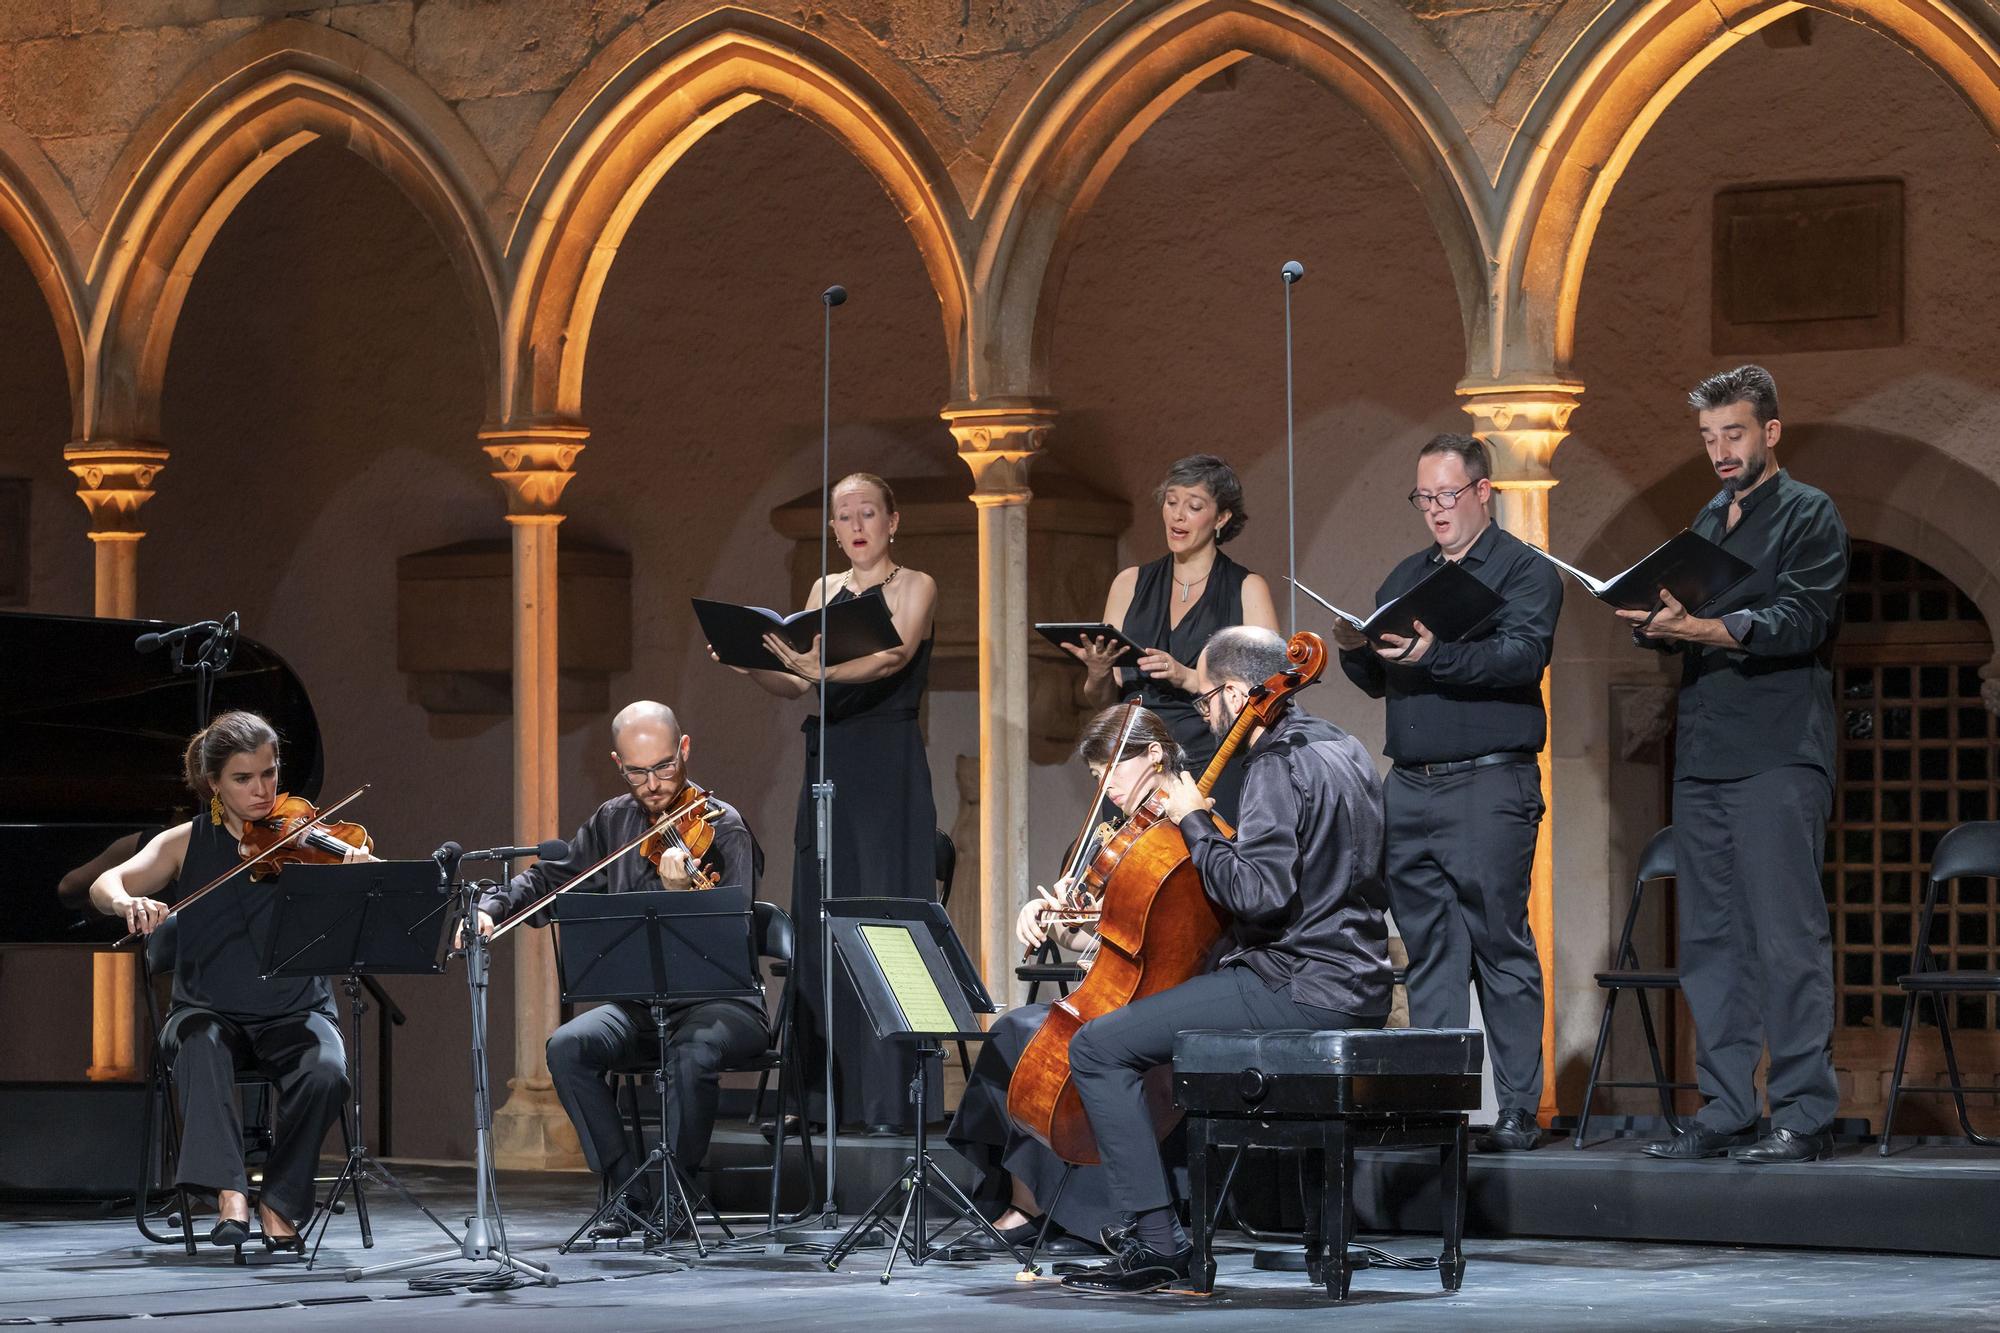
<point>551,849</point>
<point>1292,271</point>
<point>448,853</point>
<point>146,643</point>
<point>834,295</point>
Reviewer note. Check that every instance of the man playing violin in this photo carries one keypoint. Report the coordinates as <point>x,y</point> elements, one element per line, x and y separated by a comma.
<point>704,1037</point>
<point>225,1016</point>
<point>1307,946</point>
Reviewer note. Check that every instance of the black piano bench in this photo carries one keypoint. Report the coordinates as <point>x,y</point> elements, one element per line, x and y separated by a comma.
<point>1325,1094</point>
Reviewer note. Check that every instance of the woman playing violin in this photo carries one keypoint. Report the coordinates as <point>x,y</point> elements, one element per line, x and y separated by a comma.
<point>884,817</point>
<point>1170,606</point>
<point>225,1016</point>
<point>1013,1168</point>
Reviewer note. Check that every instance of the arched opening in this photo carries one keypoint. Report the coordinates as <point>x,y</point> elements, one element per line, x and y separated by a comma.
<point>1168,341</point>
<point>324,391</point>
<point>703,400</point>
<point>46,567</point>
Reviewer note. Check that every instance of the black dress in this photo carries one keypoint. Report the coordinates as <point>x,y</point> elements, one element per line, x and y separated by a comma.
<point>884,846</point>
<point>226,1017</point>
<point>1148,623</point>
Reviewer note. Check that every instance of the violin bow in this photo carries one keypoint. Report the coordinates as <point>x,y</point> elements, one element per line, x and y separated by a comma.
<point>665,824</point>
<point>261,857</point>
<point>1075,862</point>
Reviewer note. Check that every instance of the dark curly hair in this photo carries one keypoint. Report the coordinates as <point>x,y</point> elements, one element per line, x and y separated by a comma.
<point>1219,480</point>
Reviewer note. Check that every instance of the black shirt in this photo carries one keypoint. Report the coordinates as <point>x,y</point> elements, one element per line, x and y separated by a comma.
<point>734,856</point>
<point>218,943</point>
<point>1302,879</point>
<point>1483,694</point>
<point>1768,701</point>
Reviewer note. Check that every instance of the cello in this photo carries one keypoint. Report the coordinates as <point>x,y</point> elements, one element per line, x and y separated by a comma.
<point>1156,928</point>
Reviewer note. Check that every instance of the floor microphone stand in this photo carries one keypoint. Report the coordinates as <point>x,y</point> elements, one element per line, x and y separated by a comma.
<point>485,1236</point>
<point>1291,272</point>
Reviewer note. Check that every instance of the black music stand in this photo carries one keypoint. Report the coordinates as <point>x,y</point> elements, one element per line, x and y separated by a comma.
<point>910,993</point>
<point>377,918</point>
<point>656,948</point>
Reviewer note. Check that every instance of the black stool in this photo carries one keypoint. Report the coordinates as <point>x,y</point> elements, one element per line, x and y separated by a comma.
<point>1325,1094</point>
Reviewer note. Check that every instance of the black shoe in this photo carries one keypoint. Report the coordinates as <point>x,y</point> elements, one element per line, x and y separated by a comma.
<point>883,1130</point>
<point>1695,1142</point>
<point>294,1243</point>
<point>1783,1145</point>
<point>1514,1131</point>
<point>769,1129</point>
<point>1137,1269</point>
<point>229,1232</point>
<point>611,1228</point>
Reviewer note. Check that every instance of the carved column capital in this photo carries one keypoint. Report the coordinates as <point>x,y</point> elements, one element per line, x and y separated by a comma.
<point>113,481</point>
<point>999,440</point>
<point>1522,424</point>
<point>534,463</point>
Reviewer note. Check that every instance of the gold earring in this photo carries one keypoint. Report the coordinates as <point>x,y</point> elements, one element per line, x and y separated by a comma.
<point>215,810</point>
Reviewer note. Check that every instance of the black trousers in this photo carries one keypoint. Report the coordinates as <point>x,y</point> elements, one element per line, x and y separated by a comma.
<point>702,1041</point>
<point>302,1053</point>
<point>1756,953</point>
<point>1109,1057</point>
<point>1461,851</point>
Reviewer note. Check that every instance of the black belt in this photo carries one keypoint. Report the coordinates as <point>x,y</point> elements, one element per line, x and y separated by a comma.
<point>1467,765</point>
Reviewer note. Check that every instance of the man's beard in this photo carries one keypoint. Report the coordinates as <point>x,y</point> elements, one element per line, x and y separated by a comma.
<point>1220,725</point>
<point>1746,475</point>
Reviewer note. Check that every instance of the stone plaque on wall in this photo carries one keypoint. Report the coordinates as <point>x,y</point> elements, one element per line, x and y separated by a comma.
<point>1808,268</point>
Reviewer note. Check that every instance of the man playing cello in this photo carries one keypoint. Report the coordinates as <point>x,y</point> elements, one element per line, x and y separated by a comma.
<point>1307,947</point>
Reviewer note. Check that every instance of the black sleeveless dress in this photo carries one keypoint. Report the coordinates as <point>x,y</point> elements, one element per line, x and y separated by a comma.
<point>1148,623</point>
<point>218,945</point>
<point>884,846</point>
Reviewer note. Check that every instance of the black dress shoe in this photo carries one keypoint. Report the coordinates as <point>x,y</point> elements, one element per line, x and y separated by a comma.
<point>1695,1142</point>
<point>882,1130</point>
<point>1783,1145</point>
<point>1137,1269</point>
<point>229,1232</point>
<point>294,1243</point>
<point>1514,1131</point>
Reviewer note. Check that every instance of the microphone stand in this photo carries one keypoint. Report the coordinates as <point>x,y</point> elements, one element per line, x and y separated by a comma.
<point>1291,273</point>
<point>485,1236</point>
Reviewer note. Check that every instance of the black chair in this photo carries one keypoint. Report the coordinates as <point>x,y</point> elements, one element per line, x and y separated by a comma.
<point>777,945</point>
<point>1968,850</point>
<point>1655,863</point>
<point>159,1135</point>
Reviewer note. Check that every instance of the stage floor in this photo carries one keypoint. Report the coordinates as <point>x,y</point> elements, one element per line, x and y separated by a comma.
<point>71,1264</point>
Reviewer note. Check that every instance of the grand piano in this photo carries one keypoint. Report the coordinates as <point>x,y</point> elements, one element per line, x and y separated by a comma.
<point>91,736</point>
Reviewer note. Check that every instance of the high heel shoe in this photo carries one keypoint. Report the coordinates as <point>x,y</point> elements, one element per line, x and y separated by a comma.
<point>230,1232</point>
<point>295,1243</point>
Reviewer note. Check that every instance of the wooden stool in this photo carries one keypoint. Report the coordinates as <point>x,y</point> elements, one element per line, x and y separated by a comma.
<point>1325,1094</point>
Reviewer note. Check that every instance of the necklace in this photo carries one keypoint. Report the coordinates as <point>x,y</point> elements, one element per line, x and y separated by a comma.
<point>893,571</point>
<point>1187,587</point>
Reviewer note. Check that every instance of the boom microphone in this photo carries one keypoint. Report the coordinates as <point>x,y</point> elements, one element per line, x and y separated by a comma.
<point>551,849</point>
<point>834,295</point>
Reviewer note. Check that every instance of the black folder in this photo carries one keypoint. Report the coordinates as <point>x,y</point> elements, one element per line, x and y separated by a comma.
<point>1688,565</point>
<point>1449,600</point>
<point>854,628</point>
<point>1081,632</point>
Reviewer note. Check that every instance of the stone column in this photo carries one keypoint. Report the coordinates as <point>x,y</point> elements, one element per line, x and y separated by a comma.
<point>1522,424</point>
<point>113,481</point>
<point>534,464</point>
<point>998,440</point>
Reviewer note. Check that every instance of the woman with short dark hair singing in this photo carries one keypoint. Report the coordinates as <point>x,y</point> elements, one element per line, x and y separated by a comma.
<point>1171,606</point>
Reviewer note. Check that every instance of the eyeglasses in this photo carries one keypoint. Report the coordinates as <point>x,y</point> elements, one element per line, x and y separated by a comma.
<point>639,777</point>
<point>1202,700</point>
<point>1425,501</point>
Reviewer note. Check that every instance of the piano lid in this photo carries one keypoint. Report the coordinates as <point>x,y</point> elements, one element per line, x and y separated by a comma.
<point>91,737</point>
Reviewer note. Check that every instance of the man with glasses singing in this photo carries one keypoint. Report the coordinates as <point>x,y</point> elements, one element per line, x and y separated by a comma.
<point>1464,800</point>
<point>704,1037</point>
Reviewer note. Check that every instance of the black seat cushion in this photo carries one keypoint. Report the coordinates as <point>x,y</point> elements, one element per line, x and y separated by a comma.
<point>1640,979</point>
<point>1048,972</point>
<point>1347,1051</point>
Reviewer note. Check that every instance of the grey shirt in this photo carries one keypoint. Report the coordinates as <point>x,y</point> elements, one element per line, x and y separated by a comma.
<point>1302,879</point>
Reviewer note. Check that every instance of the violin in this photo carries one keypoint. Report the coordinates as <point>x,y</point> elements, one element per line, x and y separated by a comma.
<point>1156,927</point>
<point>688,826</point>
<point>316,843</point>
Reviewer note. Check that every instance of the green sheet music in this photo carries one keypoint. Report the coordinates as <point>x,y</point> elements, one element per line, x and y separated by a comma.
<point>910,981</point>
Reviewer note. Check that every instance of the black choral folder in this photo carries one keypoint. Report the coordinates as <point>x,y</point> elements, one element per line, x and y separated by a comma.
<point>1688,565</point>
<point>854,628</point>
<point>1449,600</point>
